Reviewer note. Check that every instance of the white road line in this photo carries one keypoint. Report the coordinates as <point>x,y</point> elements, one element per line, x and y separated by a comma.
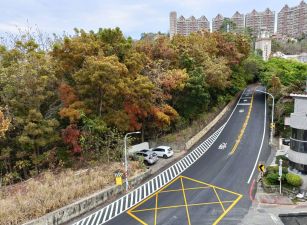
<point>111,211</point>
<point>259,151</point>
<point>167,176</point>
<point>121,204</point>
<point>116,207</point>
<point>105,213</point>
<point>185,164</point>
<point>273,217</point>
<point>145,187</point>
<point>131,199</point>
<point>190,159</point>
<point>127,200</point>
<point>99,217</point>
<point>177,168</point>
<point>244,104</point>
<point>163,178</point>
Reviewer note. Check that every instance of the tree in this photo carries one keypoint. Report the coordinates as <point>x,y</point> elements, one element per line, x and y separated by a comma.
<point>37,136</point>
<point>4,123</point>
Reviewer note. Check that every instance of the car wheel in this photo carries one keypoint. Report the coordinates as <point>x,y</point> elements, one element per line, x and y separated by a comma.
<point>165,156</point>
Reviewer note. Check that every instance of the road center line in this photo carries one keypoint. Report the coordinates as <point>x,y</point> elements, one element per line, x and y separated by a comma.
<point>264,128</point>
<point>234,148</point>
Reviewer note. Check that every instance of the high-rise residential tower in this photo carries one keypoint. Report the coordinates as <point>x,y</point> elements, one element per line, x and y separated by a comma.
<point>259,20</point>
<point>292,21</point>
<point>172,23</point>
<point>217,22</point>
<point>185,26</point>
<point>238,20</point>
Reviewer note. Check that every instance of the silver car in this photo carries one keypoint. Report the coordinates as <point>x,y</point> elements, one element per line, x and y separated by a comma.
<point>150,157</point>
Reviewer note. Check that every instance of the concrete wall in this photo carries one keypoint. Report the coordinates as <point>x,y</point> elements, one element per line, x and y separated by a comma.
<point>84,205</point>
<point>138,147</point>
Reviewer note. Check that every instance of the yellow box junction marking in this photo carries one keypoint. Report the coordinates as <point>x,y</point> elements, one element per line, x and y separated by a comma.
<point>186,204</point>
<point>234,148</point>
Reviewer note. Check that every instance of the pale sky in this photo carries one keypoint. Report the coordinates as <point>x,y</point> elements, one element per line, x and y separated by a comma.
<point>132,16</point>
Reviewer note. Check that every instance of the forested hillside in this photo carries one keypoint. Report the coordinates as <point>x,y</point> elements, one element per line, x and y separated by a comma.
<point>70,106</point>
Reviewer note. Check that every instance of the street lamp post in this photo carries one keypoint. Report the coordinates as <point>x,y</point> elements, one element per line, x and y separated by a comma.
<point>126,160</point>
<point>272,119</point>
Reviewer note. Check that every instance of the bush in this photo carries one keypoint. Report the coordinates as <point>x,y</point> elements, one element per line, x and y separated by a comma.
<point>272,178</point>
<point>294,180</point>
<point>275,169</point>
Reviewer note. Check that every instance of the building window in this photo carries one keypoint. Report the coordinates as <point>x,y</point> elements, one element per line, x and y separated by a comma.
<point>300,167</point>
<point>298,146</point>
<point>299,134</point>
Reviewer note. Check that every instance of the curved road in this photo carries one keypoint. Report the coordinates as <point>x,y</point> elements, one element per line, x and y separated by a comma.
<point>218,187</point>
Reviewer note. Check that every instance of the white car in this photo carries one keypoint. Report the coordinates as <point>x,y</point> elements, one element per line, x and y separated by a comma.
<point>163,151</point>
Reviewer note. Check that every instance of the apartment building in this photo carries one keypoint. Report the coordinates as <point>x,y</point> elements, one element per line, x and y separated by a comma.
<point>297,153</point>
<point>217,22</point>
<point>292,21</point>
<point>258,20</point>
<point>238,20</point>
<point>185,26</point>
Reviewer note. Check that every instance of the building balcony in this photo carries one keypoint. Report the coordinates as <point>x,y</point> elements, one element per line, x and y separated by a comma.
<point>298,120</point>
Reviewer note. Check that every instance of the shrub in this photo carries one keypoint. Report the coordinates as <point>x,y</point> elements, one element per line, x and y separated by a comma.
<point>294,180</point>
<point>275,169</point>
<point>272,178</point>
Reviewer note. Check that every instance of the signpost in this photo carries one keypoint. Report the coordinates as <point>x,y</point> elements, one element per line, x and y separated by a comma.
<point>280,174</point>
<point>261,168</point>
<point>118,178</point>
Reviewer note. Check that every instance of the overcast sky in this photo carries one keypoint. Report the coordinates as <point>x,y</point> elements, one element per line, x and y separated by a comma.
<point>132,16</point>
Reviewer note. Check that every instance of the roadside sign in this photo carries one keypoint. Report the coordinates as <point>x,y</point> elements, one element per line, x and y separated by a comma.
<point>118,178</point>
<point>272,125</point>
<point>261,168</point>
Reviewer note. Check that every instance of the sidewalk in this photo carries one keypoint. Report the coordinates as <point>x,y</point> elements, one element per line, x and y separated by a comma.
<point>266,208</point>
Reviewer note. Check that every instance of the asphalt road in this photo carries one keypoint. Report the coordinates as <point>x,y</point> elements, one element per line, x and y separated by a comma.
<point>216,189</point>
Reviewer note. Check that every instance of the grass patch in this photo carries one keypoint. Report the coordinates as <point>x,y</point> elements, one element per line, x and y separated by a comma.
<point>34,198</point>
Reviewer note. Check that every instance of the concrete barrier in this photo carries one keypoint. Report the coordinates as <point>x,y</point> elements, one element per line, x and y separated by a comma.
<point>84,205</point>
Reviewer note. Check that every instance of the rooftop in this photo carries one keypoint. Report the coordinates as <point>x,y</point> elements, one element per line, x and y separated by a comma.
<point>299,95</point>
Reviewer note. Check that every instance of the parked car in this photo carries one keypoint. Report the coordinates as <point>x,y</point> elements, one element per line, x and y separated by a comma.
<point>286,141</point>
<point>163,151</point>
<point>149,156</point>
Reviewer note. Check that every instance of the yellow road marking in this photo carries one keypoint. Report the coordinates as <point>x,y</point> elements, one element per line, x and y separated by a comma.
<point>227,210</point>
<point>178,206</point>
<point>150,196</point>
<point>187,189</point>
<point>234,148</point>
<point>185,202</point>
<point>218,197</point>
<point>156,209</point>
<point>136,218</point>
<point>186,205</point>
<point>210,185</point>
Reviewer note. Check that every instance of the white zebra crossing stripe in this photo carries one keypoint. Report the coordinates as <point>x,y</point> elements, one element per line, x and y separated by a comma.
<point>124,203</point>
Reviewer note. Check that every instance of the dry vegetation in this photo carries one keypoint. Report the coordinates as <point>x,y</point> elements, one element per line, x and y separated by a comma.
<point>36,197</point>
